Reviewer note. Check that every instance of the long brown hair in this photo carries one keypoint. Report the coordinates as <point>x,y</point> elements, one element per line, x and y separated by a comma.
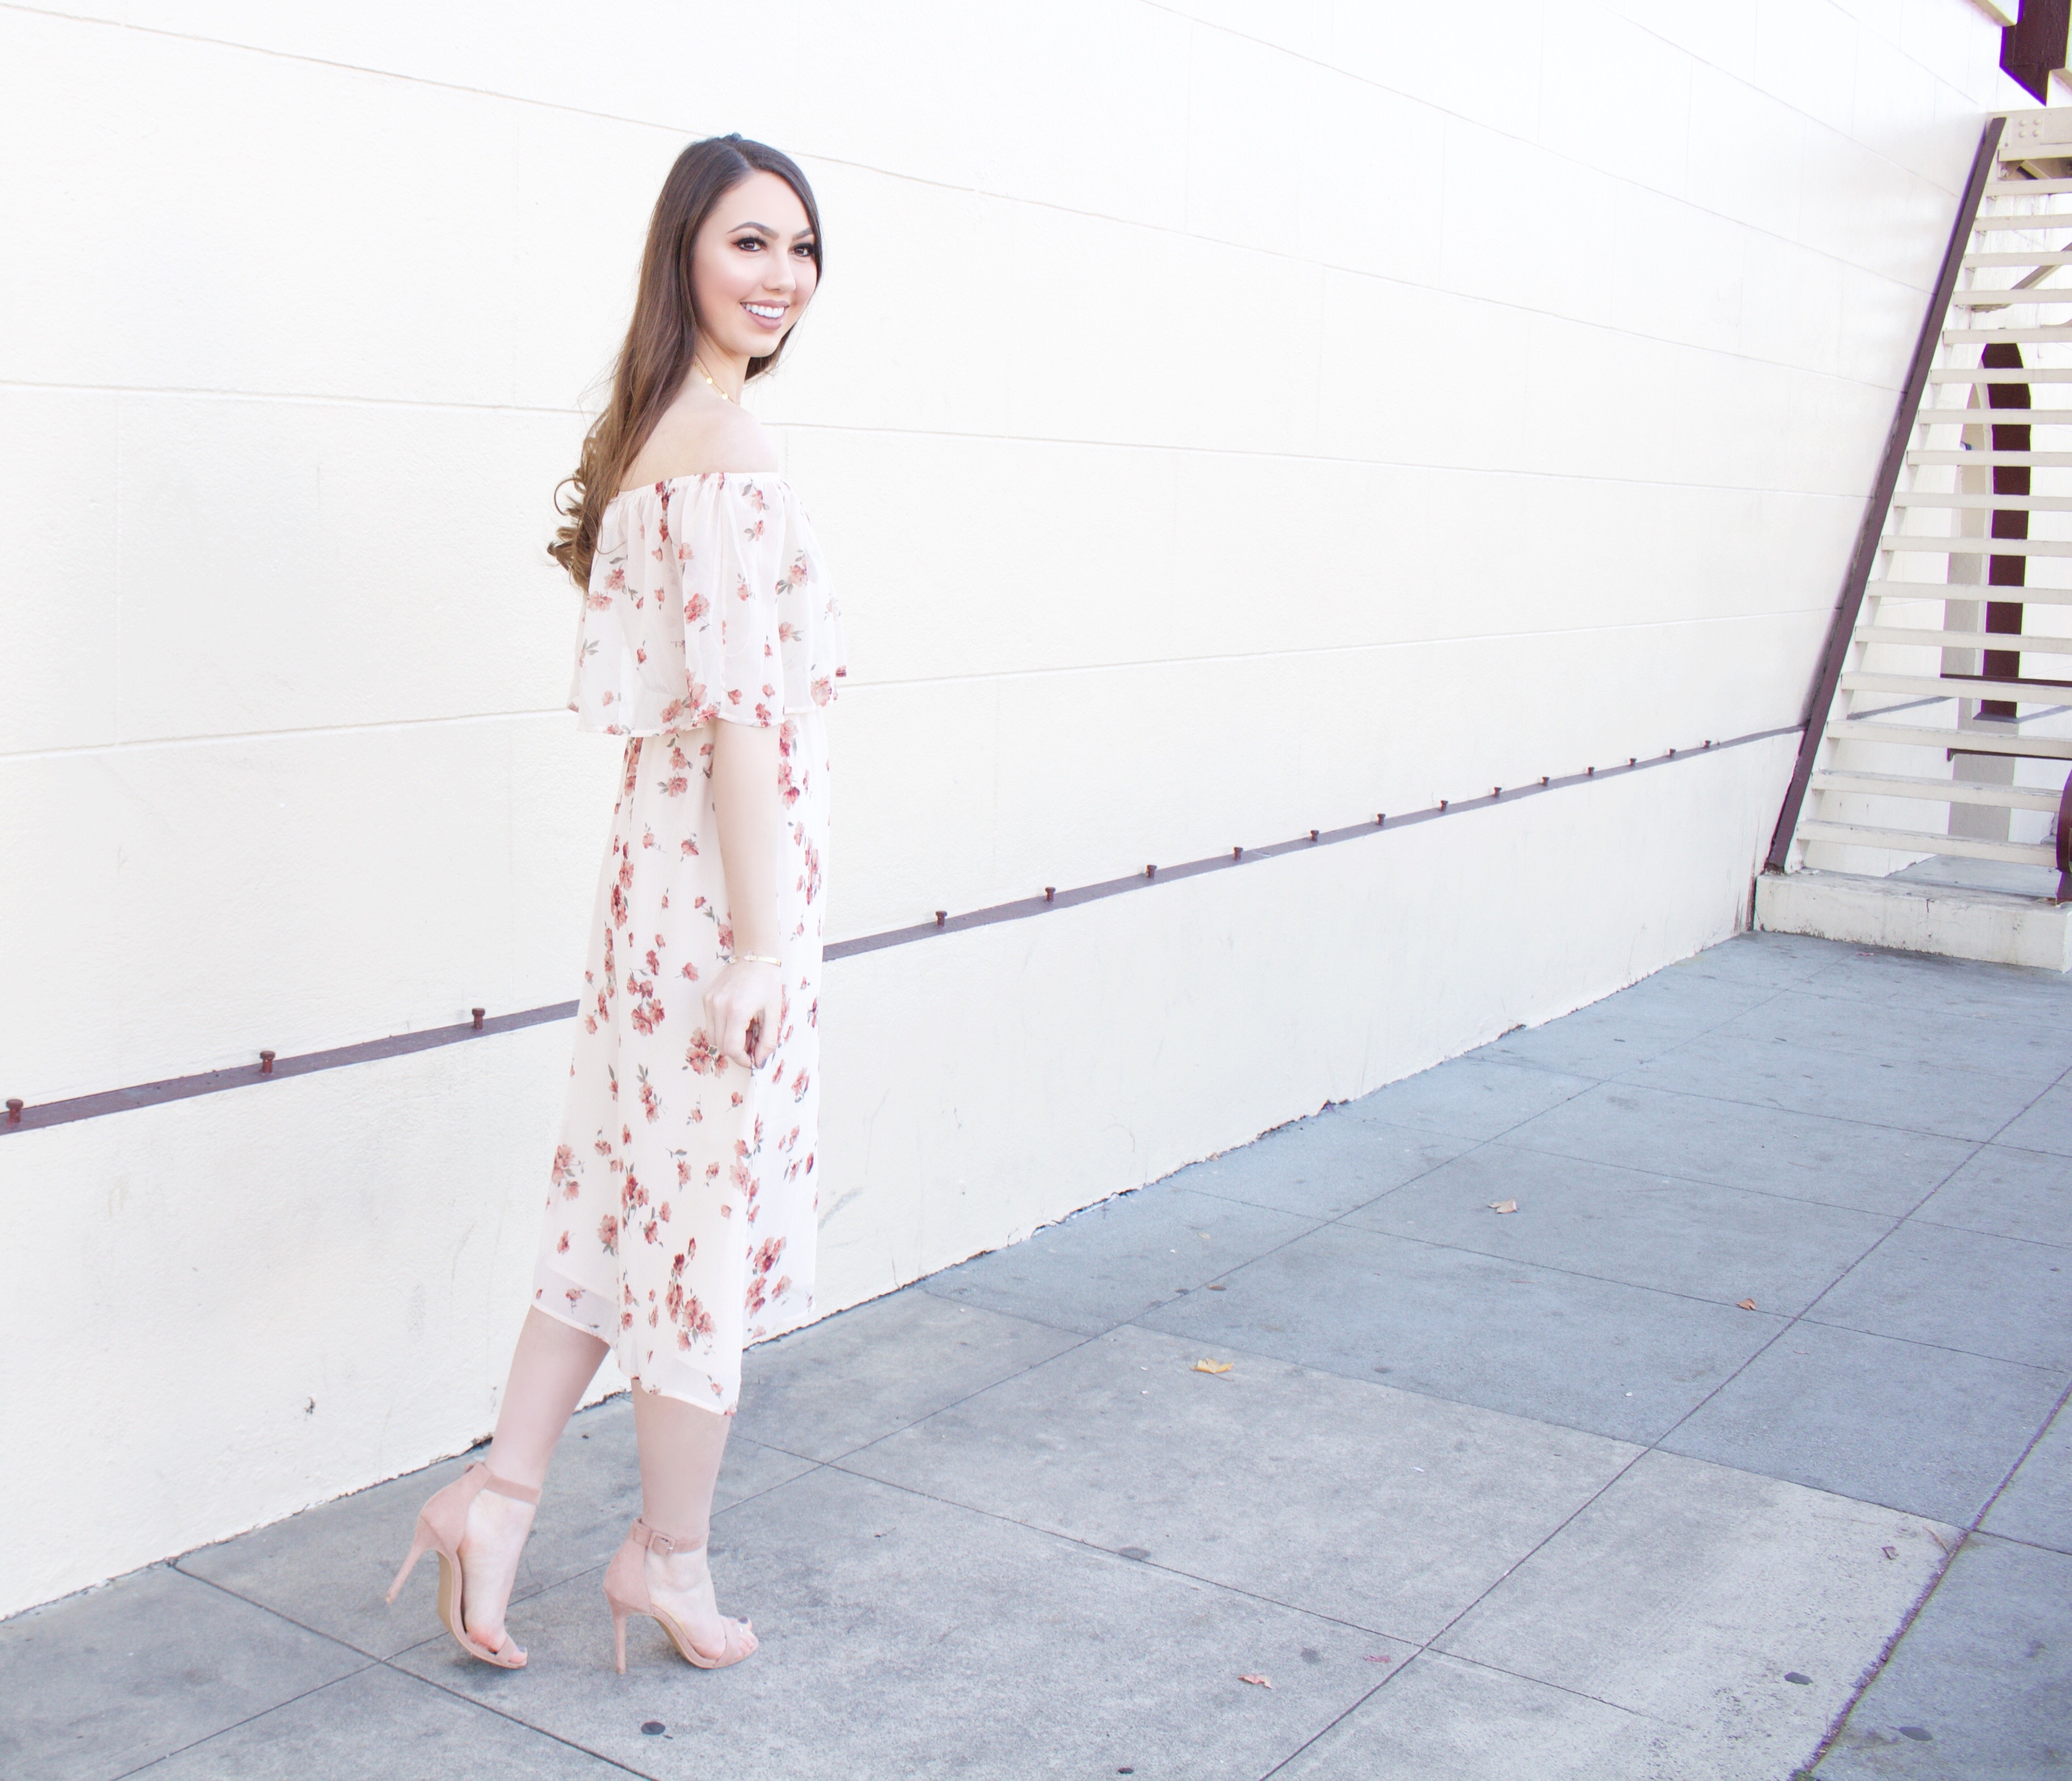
<point>663,334</point>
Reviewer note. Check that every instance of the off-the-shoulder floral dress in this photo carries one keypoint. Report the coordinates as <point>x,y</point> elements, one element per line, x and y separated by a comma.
<point>680,1213</point>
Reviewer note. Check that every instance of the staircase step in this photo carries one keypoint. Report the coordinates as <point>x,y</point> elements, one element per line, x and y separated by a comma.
<point>2044,220</point>
<point>1967,590</point>
<point>2023,641</point>
<point>2035,460</point>
<point>2025,188</point>
<point>1909,840</point>
<point>1919,915</point>
<point>1989,503</point>
<point>1955,686</point>
<point>1906,785</point>
<point>2016,374</point>
<point>1926,544</point>
<point>1965,336</point>
<point>1968,741</point>
<point>1995,417</point>
<point>2039,256</point>
<point>2010,299</point>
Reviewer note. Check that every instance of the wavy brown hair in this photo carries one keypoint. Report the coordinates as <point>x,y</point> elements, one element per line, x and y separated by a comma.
<point>663,334</point>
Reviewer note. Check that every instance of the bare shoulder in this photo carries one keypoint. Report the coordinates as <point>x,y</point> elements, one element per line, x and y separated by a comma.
<point>697,436</point>
<point>745,444</point>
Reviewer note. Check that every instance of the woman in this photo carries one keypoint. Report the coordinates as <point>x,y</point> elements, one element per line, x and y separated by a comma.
<point>680,1212</point>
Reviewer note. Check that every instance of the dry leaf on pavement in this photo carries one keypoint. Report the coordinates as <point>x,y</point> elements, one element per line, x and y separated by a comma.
<point>1745,1305</point>
<point>1504,1206</point>
<point>1212,1366</point>
<point>1257,1681</point>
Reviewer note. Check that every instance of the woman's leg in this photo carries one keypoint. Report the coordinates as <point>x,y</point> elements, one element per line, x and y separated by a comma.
<point>550,1369</point>
<point>681,1449</point>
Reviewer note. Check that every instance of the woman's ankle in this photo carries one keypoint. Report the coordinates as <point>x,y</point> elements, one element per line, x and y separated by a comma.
<point>507,1462</point>
<point>501,1519</point>
<point>683,1570</point>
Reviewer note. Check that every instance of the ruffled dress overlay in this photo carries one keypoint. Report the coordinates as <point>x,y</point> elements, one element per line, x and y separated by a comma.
<point>680,1215</point>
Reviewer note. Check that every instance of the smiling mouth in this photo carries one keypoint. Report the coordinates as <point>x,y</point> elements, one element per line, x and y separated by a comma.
<point>766,312</point>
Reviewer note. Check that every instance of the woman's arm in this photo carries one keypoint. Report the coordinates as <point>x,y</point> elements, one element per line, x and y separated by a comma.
<point>744,1001</point>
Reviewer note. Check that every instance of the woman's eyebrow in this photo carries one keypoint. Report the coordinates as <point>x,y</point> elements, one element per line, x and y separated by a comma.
<point>803,234</point>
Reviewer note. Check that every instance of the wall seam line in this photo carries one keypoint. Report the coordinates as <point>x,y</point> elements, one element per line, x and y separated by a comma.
<point>1174,448</point>
<point>975,191</point>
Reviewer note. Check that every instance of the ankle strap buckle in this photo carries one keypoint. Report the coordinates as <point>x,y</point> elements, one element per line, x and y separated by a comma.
<point>656,1541</point>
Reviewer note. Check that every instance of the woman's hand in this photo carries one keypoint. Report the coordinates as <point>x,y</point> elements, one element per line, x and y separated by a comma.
<point>743,1005</point>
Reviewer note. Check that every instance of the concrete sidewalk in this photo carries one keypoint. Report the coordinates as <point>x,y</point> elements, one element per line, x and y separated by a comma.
<point>1530,1494</point>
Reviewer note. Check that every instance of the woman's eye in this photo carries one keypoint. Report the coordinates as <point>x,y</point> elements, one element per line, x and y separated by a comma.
<point>804,250</point>
<point>748,243</point>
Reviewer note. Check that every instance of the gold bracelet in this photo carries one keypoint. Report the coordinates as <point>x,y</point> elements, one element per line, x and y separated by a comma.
<point>756,958</point>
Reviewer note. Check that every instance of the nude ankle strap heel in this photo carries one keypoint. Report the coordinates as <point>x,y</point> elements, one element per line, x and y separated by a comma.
<point>626,1592</point>
<point>441,1524</point>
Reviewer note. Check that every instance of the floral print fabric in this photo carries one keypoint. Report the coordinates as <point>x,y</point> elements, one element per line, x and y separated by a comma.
<point>681,1207</point>
<point>708,599</point>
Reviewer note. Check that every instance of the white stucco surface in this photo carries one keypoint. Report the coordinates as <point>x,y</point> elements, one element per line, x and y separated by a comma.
<point>1226,420</point>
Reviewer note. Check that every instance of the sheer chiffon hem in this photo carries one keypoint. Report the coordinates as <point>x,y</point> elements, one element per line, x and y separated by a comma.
<point>680,1376</point>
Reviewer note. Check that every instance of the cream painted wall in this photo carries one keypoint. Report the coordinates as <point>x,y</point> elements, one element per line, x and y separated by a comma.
<point>1226,419</point>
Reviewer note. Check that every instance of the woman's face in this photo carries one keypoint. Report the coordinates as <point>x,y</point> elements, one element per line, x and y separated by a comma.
<point>752,269</point>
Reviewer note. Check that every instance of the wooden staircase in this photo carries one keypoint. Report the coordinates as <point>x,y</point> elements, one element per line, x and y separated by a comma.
<point>1941,724</point>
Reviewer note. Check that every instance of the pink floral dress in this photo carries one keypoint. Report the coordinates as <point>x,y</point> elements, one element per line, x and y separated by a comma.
<point>681,1211</point>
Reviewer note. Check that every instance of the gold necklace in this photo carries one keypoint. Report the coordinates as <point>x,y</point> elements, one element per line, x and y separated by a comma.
<point>714,388</point>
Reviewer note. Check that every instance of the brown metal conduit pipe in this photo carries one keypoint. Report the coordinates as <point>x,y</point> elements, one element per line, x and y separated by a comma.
<point>271,1068</point>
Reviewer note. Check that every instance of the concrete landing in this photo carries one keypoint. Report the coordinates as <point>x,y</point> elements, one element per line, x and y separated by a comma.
<point>1961,909</point>
<point>1646,1479</point>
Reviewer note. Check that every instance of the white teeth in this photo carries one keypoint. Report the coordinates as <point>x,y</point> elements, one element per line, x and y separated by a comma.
<point>768,312</point>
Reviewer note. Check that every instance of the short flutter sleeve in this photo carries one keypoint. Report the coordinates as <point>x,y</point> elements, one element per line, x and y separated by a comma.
<point>709,601</point>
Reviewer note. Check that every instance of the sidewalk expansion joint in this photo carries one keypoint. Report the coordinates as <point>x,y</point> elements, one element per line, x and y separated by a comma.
<point>1976,1526</point>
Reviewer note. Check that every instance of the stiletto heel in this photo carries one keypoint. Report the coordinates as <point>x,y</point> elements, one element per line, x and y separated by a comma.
<point>626,1593</point>
<point>418,1548</point>
<point>442,1525</point>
